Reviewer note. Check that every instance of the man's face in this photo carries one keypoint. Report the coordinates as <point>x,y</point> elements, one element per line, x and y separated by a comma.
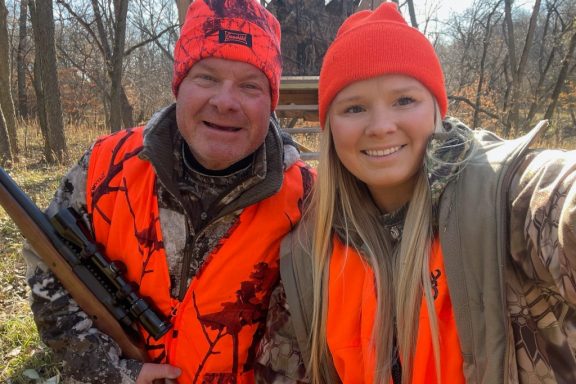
<point>223,111</point>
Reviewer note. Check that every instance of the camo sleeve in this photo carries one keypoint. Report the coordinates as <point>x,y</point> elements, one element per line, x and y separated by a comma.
<point>278,359</point>
<point>87,355</point>
<point>543,222</point>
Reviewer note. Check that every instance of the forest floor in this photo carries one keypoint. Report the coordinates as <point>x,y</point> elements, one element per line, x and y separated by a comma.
<point>23,357</point>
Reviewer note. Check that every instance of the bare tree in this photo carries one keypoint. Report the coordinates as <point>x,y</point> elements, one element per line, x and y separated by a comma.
<point>182,7</point>
<point>517,68</point>
<point>412,13</point>
<point>6,103</point>
<point>510,64</point>
<point>20,60</point>
<point>46,80</point>
<point>6,157</point>
<point>308,27</point>
<point>104,23</point>
<point>117,58</point>
<point>368,4</point>
<point>568,59</point>
<point>485,47</point>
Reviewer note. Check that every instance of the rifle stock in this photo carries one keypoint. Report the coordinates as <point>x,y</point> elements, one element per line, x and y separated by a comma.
<point>88,290</point>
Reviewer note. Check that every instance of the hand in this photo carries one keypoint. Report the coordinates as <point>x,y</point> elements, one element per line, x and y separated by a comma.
<point>151,372</point>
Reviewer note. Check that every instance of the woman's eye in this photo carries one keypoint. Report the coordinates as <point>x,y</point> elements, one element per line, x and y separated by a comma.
<point>405,100</point>
<point>354,109</point>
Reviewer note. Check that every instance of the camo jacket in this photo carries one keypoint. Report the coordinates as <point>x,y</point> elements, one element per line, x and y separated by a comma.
<point>539,292</point>
<point>88,355</point>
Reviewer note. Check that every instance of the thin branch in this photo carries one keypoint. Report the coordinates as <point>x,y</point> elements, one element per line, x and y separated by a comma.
<point>151,39</point>
<point>471,104</point>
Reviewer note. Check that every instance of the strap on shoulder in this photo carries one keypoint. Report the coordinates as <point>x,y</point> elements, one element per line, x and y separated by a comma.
<point>296,274</point>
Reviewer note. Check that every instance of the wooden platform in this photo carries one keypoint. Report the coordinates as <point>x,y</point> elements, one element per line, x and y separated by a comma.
<point>299,100</point>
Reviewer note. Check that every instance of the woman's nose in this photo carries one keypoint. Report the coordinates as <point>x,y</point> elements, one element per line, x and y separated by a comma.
<point>381,122</point>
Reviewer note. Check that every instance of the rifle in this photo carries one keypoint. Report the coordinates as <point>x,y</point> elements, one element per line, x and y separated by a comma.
<point>66,246</point>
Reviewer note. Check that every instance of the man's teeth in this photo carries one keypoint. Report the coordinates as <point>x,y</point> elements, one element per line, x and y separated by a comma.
<point>383,152</point>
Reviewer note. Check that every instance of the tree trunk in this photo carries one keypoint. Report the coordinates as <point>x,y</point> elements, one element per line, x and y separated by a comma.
<point>127,110</point>
<point>368,4</point>
<point>512,119</point>
<point>527,46</point>
<point>43,26</point>
<point>563,74</point>
<point>20,60</point>
<point>116,67</point>
<point>182,8</point>
<point>114,57</point>
<point>482,70</point>
<point>41,105</point>
<point>308,27</point>
<point>6,103</point>
<point>412,13</point>
<point>5,151</point>
<point>518,68</point>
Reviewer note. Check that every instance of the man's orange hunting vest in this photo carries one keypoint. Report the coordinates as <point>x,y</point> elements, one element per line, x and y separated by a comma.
<point>220,320</point>
<point>351,312</point>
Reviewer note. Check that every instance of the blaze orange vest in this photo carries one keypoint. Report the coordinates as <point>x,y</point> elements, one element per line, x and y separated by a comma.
<point>351,314</point>
<point>218,323</point>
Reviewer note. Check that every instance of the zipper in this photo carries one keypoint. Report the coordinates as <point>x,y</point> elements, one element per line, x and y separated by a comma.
<point>185,263</point>
<point>188,252</point>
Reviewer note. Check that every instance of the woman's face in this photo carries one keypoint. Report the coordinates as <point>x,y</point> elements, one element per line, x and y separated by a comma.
<point>380,129</point>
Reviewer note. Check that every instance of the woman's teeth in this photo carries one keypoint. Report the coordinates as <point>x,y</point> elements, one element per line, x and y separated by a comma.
<point>382,152</point>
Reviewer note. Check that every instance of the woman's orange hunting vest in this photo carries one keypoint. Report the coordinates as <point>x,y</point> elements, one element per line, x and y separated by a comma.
<point>351,312</point>
<point>219,321</point>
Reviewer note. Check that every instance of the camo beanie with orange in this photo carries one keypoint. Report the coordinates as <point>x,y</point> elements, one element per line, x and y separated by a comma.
<point>375,43</point>
<point>239,30</point>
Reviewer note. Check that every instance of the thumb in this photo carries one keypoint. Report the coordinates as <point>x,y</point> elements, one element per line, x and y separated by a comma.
<point>171,372</point>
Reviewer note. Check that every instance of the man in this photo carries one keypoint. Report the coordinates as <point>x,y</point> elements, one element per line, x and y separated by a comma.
<point>194,204</point>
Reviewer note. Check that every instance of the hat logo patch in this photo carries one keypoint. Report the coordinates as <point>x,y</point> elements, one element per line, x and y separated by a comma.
<point>235,37</point>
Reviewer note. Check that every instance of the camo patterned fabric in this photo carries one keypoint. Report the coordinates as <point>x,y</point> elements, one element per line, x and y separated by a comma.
<point>90,356</point>
<point>540,275</point>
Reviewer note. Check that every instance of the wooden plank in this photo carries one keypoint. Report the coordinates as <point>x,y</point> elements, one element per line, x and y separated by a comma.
<point>293,131</point>
<point>299,90</point>
<point>309,156</point>
<point>299,82</point>
<point>307,116</point>
<point>297,107</point>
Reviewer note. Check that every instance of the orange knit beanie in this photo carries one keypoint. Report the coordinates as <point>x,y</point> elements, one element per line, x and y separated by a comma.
<point>239,30</point>
<point>375,43</point>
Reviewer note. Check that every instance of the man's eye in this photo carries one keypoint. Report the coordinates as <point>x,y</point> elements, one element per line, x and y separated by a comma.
<point>354,109</point>
<point>250,86</point>
<point>405,100</point>
<point>205,78</point>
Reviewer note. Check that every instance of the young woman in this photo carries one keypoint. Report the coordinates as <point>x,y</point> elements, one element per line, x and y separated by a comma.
<point>431,253</point>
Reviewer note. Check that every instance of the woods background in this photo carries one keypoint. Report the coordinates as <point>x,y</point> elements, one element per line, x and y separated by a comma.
<point>108,63</point>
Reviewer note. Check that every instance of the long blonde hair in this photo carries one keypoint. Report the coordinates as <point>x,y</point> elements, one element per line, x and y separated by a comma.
<point>341,200</point>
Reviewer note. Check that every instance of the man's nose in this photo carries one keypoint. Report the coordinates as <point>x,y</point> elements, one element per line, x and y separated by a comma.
<point>225,98</point>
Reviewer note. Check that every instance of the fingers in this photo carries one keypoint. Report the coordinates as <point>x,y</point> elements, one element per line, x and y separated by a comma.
<point>151,372</point>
